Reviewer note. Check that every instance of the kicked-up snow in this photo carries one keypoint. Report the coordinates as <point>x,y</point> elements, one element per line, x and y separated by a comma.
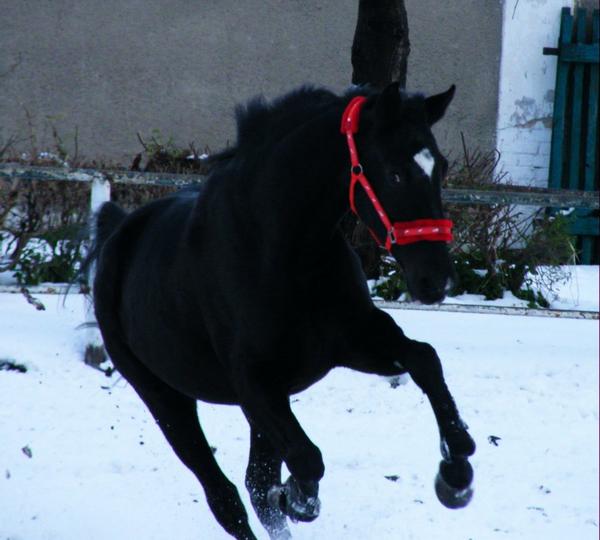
<point>81,458</point>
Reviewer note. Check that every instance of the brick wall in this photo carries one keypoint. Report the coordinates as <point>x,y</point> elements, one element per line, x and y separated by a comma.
<point>526,95</point>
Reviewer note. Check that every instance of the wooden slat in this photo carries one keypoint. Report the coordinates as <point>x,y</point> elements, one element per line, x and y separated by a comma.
<point>588,227</point>
<point>587,231</point>
<point>583,226</point>
<point>592,138</point>
<point>577,108</point>
<point>573,152</point>
<point>580,53</point>
<point>560,105</point>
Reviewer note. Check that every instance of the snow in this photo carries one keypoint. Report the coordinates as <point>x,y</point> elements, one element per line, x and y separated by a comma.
<point>577,289</point>
<point>100,469</point>
<point>580,291</point>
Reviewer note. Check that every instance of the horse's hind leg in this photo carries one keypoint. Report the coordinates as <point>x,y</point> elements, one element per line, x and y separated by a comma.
<point>264,472</point>
<point>267,407</point>
<point>177,417</point>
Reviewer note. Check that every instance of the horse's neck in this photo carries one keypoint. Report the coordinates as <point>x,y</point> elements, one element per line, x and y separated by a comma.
<point>313,188</point>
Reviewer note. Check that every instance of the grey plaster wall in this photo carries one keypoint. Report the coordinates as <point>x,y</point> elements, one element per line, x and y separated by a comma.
<point>113,68</point>
<point>458,42</point>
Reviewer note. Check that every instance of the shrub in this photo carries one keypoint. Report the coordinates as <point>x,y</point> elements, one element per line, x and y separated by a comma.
<point>497,247</point>
<point>53,257</point>
<point>42,224</point>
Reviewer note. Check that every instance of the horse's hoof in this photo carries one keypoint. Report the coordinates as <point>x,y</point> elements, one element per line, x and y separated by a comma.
<point>283,534</point>
<point>291,500</point>
<point>453,483</point>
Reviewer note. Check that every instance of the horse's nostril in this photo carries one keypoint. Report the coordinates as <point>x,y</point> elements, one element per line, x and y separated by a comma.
<point>432,290</point>
<point>433,285</point>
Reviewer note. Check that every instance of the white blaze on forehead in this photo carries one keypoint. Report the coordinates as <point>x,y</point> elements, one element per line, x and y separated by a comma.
<point>425,160</point>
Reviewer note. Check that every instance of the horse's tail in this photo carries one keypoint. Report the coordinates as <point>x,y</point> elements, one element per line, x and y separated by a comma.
<point>105,222</point>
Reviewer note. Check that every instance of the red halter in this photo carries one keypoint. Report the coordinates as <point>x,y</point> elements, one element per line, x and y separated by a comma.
<point>399,232</point>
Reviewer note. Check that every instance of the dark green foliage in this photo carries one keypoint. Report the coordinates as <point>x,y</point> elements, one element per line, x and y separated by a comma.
<point>516,270</point>
<point>165,156</point>
<point>391,288</point>
<point>534,298</point>
<point>42,224</point>
<point>54,258</point>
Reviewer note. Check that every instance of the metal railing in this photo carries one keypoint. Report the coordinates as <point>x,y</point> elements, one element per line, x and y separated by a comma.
<point>502,195</point>
<point>505,195</point>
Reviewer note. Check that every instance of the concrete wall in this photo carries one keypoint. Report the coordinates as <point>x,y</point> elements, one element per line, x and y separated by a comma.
<point>113,68</point>
<point>458,42</point>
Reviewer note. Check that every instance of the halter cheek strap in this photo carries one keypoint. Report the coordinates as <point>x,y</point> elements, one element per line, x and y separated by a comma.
<point>399,232</point>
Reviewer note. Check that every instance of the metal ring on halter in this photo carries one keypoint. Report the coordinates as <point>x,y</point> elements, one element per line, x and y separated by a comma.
<point>392,235</point>
<point>356,169</point>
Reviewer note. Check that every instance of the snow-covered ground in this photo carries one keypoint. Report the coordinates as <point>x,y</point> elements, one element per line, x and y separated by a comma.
<point>576,288</point>
<point>81,458</point>
<point>572,288</point>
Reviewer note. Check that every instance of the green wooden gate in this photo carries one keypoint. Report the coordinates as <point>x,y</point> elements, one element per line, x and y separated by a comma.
<point>574,151</point>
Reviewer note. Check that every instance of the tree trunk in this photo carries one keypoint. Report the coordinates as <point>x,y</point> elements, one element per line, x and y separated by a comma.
<point>381,46</point>
<point>379,56</point>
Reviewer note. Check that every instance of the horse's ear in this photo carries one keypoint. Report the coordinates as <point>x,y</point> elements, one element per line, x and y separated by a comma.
<point>388,104</point>
<point>436,105</point>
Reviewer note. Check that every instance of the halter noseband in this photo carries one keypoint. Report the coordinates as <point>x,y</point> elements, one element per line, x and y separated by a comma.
<point>399,232</point>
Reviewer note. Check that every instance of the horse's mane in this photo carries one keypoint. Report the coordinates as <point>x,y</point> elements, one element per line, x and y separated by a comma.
<point>260,120</point>
<point>262,123</point>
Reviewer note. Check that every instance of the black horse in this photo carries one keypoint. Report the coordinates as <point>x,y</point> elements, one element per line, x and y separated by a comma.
<point>244,291</point>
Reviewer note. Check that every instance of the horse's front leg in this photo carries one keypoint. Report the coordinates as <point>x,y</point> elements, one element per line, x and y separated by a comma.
<point>268,411</point>
<point>382,348</point>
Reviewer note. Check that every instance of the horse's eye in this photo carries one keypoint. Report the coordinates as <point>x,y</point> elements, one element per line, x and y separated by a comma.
<point>396,178</point>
